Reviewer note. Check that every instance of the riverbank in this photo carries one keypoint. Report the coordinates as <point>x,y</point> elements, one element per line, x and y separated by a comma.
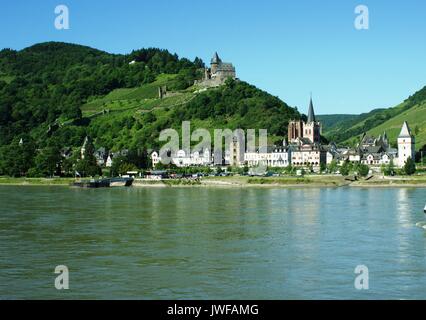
<point>309,181</point>
<point>36,181</point>
<point>312,181</point>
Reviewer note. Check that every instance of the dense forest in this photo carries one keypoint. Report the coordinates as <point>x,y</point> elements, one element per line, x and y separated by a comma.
<point>43,89</point>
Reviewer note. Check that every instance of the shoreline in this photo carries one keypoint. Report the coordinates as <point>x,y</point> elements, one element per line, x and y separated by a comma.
<point>242,182</point>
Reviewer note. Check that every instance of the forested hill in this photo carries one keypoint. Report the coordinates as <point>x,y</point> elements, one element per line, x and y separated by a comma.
<point>50,80</point>
<point>54,94</point>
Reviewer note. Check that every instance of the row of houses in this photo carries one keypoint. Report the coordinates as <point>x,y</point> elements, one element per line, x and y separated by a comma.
<point>303,149</point>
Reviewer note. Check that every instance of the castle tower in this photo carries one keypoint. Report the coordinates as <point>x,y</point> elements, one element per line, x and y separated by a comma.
<point>215,63</point>
<point>406,145</point>
<point>312,128</point>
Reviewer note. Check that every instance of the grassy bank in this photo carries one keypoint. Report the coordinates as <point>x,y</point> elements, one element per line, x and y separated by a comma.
<point>35,181</point>
<point>413,181</point>
<point>331,181</point>
<point>165,183</point>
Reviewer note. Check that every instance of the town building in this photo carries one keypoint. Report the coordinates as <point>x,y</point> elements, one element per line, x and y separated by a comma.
<point>275,156</point>
<point>304,149</point>
<point>200,157</point>
<point>304,153</point>
<point>406,145</point>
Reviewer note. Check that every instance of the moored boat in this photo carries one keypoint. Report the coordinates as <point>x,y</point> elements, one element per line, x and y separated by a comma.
<point>93,183</point>
<point>121,182</point>
<point>424,209</point>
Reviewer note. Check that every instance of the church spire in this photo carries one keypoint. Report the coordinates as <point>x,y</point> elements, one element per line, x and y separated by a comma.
<point>311,114</point>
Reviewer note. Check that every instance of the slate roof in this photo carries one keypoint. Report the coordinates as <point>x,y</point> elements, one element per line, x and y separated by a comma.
<point>226,67</point>
<point>216,59</point>
<point>311,113</point>
<point>405,131</point>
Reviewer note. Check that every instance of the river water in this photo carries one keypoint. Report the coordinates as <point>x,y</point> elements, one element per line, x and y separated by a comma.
<point>212,243</point>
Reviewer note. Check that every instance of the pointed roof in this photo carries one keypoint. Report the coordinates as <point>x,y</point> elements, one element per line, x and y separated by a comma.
<point>216,58</point>
<point>405,131</point>
<point>311,114</point>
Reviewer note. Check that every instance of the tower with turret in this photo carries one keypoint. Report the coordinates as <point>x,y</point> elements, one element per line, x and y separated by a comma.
<point>214,63</point>
<point>311,129</point>
<point>406,145</point>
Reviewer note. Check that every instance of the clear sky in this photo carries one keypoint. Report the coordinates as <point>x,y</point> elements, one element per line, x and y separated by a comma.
<point>288,48</point>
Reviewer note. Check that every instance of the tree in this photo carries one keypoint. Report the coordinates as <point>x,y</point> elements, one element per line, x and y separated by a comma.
<point>416,130</point>
<point>363,170</point>
<point>332,167</point>
<point>323,167</point>
<point>17,158</point>
<point>410,167</point>
<point>345,168</point>
<point>389,169</point>
<point>245,169</point>
<point>47,162</point>
<point>88,165</point>
<point>86,169</point>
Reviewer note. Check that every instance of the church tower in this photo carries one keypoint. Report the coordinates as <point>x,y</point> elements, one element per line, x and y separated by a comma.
<point>406,145</point>
<point>312,128</point>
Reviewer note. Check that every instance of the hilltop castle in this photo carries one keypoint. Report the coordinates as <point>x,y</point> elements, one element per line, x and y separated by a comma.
<point>218,72</point>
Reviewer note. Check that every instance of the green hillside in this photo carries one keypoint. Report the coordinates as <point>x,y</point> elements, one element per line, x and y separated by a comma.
<point>143,97</point>
<point>331,121</point>
<point>377,121</point>
<point>234,105</point>
<point>53,95</point>
<point>416,118</point>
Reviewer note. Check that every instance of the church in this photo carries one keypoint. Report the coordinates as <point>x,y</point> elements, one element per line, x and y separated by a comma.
<point>305,141</point>
<point>310,130</point>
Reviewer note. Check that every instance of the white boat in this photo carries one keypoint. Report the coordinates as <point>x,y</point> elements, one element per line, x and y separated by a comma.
<point>424,209</point>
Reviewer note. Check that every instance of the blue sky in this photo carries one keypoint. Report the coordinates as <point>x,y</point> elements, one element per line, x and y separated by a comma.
<point>288,48</point>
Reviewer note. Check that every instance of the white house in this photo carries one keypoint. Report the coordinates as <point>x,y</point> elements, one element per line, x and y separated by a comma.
<point>182,159</point>
<point>108,162</point>
<point>272,157</point>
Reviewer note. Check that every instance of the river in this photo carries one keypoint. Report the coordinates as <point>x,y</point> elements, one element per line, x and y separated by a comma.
<point>212,243</point>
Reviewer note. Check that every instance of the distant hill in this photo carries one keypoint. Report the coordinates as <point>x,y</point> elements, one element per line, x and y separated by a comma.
<point>379,120</point>
<point>330,121</point>
<point>416,117</point>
